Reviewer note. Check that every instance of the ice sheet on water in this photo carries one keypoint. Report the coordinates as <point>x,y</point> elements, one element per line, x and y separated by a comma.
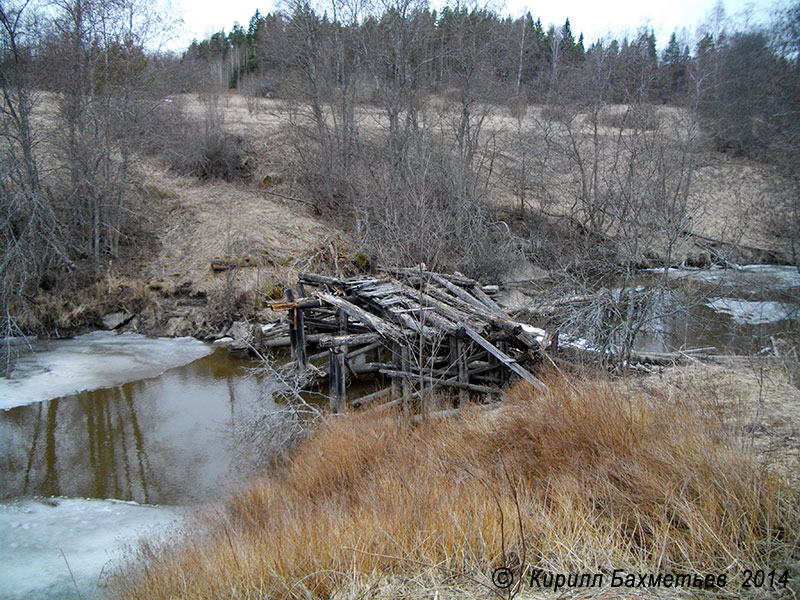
<point>755,276</point>
<point>91,533</point>
<point>747,312</point>
<point>96,360</point>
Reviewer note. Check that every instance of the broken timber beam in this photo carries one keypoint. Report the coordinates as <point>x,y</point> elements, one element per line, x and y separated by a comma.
<point>504,358</point>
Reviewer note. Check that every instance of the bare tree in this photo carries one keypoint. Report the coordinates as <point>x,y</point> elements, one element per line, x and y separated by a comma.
<point>30,236</point>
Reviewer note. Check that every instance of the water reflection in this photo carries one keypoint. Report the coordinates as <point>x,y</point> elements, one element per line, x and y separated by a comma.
<point>736,311</point>
<point>163,440</point>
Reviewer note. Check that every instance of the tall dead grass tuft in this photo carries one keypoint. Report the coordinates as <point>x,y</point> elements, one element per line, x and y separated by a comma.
<point>584,479</point>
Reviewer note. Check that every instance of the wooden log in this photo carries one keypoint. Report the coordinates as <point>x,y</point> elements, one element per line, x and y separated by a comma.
<point>458,346</point>
<point>481,389</point>
<point>478,292</point>
<point>359,402</point>
<point>397,365</point>
<point>296,333</point>
<point>320,325</point>
<point>365,349</point>
<point>505,323</point>
<point>441,323</point>
<point>505,359</point>
<point>370,367</point>
<point>410,323</point>
<point>416,273</point>
<point>336,382</point>
<point>452,412</point>
<point>460,293</point>
<point>386,329</point>
<point>406,382</point>
<point>317,280</point>
<point>286,342</point>
<point>449,312</point>
<point>355,339</point>
<point>341,318</point>
<point>385,405</point>
<point>304,303</point>
<point>300,337</point>
<point>775,256</point>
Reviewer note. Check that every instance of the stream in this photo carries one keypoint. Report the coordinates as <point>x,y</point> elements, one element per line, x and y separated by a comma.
<point>105,437</point>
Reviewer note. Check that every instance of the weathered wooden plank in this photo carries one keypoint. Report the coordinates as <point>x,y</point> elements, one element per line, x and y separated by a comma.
<point>504,358</point>
<point>383,289</point>
<point>383,327</point>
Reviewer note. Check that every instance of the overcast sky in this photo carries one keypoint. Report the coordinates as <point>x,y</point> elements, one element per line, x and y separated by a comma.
<point>594,18</point>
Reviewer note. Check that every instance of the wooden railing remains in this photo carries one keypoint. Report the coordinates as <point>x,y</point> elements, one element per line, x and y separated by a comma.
<point>418,329</point>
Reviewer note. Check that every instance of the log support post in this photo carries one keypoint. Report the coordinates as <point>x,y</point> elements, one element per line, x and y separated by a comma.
<point>398,365</point>
<point>336,391</point>
<point>406,367</point>
<point>341,317</point>
<point>463,373</point>
<point>297,335</point>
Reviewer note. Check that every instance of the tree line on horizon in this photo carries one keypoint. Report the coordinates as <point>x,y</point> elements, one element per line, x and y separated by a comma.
<point>746,73</point>
<point>420,187</point>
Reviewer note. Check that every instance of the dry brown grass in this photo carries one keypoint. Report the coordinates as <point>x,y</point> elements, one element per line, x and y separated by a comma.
<point>585,479</point>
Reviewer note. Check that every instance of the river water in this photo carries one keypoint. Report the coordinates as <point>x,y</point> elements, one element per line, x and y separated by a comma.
<point>105,436</point>
<point>737,311</point>
<point>153,428</point>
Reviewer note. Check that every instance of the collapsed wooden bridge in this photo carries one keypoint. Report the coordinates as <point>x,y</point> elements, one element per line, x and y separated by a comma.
<point>419,329</point>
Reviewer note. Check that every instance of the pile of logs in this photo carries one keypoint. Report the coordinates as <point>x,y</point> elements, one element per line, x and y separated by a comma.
<point>418,329</point>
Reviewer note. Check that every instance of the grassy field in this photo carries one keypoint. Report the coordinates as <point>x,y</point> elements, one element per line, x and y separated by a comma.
<point>587,479</point>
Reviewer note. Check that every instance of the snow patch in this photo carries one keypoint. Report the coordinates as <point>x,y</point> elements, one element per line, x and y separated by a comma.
<point>99,359</point>
<point>540,334</point>
<point>91,533</point>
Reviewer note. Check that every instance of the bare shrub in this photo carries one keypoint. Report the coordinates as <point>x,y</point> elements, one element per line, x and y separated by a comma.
<point>561,113</point>
<point>206,150</point>
<point>642,117</point>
